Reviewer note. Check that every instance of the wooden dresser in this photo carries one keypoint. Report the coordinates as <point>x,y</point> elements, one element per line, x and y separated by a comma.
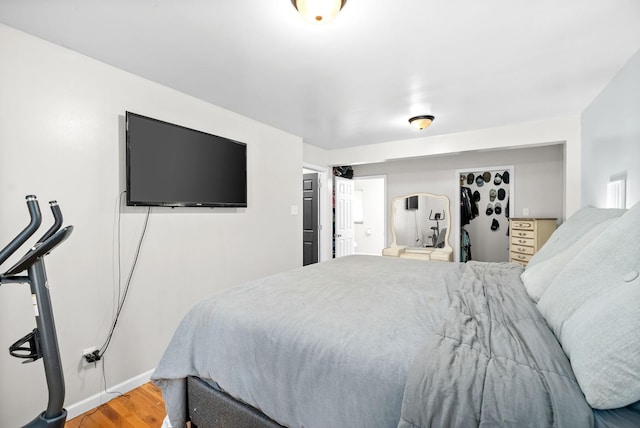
<point>527,236</point>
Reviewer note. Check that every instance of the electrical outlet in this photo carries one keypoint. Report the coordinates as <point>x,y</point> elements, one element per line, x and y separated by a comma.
<point>89,357</point>
<point>525,212</point>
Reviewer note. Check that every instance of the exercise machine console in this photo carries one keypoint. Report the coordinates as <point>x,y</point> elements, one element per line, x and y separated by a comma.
<point>42,342</point>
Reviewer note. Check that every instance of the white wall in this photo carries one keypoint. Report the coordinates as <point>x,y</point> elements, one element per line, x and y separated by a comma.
<point>62,137</point>
<point>611,137</point>
<point>564,130</point>
<point>539,179</point>
<point>314,155</point>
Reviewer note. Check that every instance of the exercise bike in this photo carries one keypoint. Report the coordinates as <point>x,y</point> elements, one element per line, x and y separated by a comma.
<point>42,342</point>
<point>435,237</point>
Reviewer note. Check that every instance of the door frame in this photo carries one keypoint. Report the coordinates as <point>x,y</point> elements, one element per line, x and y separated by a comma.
<point>455,228</point>
<point>325,236</point>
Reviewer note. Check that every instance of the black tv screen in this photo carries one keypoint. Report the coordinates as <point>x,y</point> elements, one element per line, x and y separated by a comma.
<point>412,203</point>
<point>170,165</point>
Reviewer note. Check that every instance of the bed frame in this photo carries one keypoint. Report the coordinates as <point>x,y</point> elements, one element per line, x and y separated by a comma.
<point>210,407</point>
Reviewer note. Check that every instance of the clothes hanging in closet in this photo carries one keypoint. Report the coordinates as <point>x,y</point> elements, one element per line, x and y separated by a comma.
<point>468,206</point>
<point>465,246</point>
<point>506,213</point>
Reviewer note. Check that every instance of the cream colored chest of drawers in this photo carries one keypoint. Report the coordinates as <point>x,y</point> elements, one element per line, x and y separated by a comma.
<point>527,236</point>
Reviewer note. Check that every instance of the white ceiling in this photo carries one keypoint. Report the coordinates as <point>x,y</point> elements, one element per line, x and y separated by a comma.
<point>473,64</point>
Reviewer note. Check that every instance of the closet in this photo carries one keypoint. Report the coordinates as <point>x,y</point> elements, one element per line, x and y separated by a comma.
<point>485,196</point>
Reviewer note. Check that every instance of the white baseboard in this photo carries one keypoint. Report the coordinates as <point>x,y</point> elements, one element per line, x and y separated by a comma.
<point>102,397</point>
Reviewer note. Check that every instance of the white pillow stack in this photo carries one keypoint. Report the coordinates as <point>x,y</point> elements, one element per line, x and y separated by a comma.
<point>593,307</point>
<point>572,230</point>
<point>565,243</point>
<point>538,277</point>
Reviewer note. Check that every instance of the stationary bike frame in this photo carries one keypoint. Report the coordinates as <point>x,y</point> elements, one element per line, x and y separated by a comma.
<point>42,342</point>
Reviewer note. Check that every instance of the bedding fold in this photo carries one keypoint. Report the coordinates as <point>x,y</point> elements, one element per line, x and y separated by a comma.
<point>492,362</point>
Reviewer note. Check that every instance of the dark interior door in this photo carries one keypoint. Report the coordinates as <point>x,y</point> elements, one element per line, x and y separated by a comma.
<point>310,218</point>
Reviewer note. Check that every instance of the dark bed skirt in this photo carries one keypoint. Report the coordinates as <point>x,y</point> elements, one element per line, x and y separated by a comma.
<point>212,408</point>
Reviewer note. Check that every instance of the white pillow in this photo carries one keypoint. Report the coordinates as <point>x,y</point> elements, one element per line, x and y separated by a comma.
<point>574,228</point>
<point>537,278</point>
<point>593,307</point>
<point>608,364</point>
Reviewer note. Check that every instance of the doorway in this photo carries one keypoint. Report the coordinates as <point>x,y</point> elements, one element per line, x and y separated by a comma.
<point>484,205</point>
<point>370,214</point>
<point>360,215</point>
<point>320,210</point>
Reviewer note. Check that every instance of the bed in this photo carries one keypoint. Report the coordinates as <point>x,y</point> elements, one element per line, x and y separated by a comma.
<point>366,341</point>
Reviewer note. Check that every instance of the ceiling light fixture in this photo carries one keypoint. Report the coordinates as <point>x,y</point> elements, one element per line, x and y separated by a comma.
<point>318,11</point>
<point>421,122</point>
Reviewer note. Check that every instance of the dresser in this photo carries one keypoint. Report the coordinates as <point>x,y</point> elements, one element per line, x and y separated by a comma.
<point>527,236</point>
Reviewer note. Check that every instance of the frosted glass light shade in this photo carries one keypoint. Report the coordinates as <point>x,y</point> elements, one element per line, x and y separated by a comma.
<point>421,122</point>
<point>318,11</point>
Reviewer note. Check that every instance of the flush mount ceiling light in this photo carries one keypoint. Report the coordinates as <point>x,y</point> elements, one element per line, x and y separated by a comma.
<point>318,11</point>
<point>421,122</point>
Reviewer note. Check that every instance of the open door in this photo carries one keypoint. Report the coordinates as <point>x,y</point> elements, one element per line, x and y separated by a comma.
<point>344,231</point>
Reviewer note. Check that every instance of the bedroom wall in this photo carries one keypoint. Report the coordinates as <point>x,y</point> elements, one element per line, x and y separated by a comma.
<point>538,184</point>
<point>611,137</point>
<point>565,130</point>
<point>62,137</point>
<point>314,155</point>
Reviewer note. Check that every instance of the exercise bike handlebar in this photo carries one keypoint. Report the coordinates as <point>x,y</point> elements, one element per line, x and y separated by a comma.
<point>40,250</point>
<point>57,215</point>
<point>34,224</point>
<point>51,239</point>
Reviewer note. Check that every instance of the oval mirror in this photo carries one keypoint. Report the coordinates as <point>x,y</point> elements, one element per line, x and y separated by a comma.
<point>420,225</point>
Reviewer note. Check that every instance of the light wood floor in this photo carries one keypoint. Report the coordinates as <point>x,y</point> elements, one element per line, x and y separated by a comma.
<point>141,408</point>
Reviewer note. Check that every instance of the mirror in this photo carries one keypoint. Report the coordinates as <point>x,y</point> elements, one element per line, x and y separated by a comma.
<point>420,227</point>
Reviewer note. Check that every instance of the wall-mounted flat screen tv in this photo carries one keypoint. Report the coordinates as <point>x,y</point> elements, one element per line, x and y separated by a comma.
<point>170,165</point>
<point>411,203</point>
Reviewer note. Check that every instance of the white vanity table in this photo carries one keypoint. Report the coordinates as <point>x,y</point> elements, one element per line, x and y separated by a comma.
<point>420,228</point>
<point>419,253</point>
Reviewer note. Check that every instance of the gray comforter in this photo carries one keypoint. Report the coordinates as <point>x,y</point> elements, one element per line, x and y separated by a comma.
<point>324,346</point>
<point>493,362</point>
<point>368,341</point>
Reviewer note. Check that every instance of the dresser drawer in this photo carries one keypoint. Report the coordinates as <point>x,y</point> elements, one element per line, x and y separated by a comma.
<point>522,234</point>
<point>518,262</point>
<point>522,250</point>
<point>415,256</point>
<point>521,258</point>
<point>522,224</point>
<point>517,241</point>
